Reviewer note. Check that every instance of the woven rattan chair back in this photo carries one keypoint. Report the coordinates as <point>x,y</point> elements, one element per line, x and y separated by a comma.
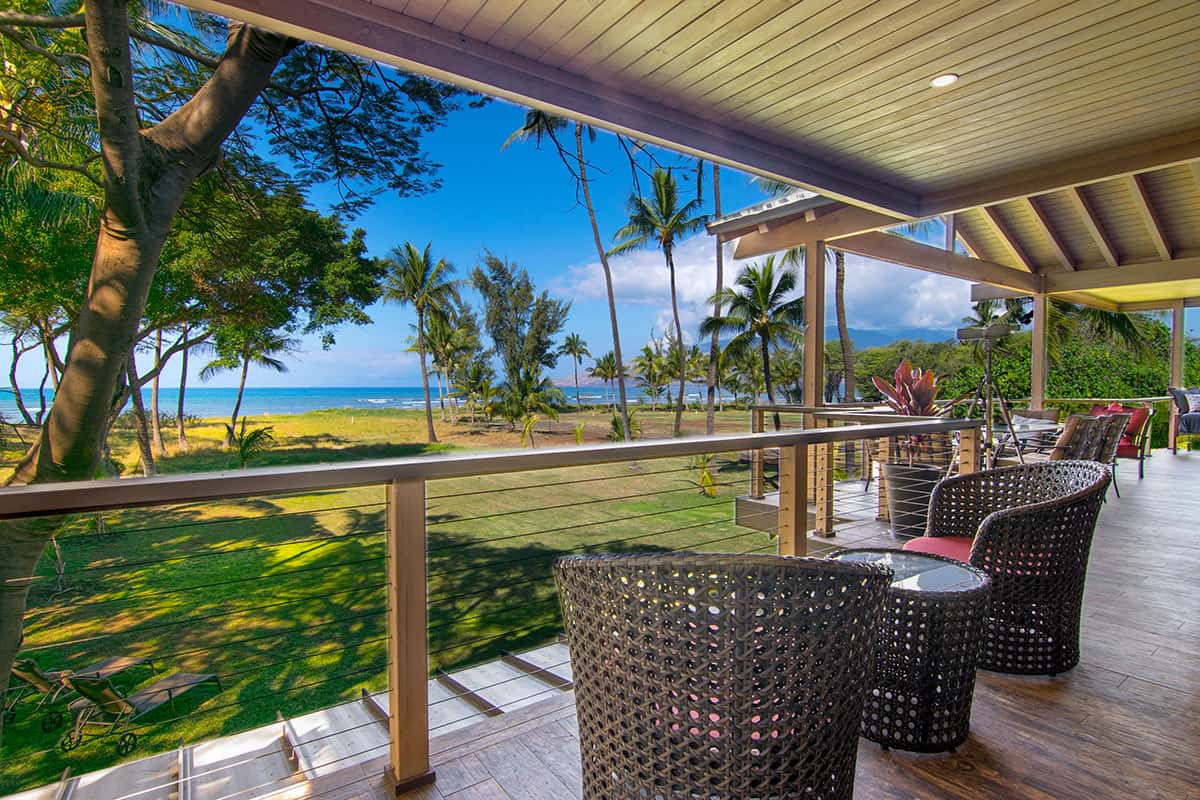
<point>730,676</point>
<point>1114,429</point>
<point>1036,524</point>
<point>1081,440</point>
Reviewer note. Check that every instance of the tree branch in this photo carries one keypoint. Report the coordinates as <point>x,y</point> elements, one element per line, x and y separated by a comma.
<point>60,59</point>
<point>19,148</point>
<point>154,40</point>
<point>41,20</point>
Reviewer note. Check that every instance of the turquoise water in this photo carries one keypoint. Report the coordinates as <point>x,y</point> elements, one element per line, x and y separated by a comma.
<point>208,401</point>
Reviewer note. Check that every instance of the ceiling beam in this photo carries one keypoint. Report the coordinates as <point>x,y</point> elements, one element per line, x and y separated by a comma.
<point>1001,229</point>
<point>1117,162</point>
<point>1196,173</point>
<point>908,253</point>
<point>1178,269</point>
<point>1145,209</point>
<point>1092,223</point>
<point>983,291</point>
<point>845,221</point>
<point>376,32</point>
<point>1043,224</point>
<point>1158,305</point>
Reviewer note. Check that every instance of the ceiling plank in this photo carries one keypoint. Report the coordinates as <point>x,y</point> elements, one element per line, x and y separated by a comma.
<point>1177,269</point>
<point>379,33</point>
<point>1196,173</point>
<point>1092,223</point>
<point>846,221</point>
<point>1145,209</point>
<point>1043,223</point>
<point>908,253</point>
<point>1010,240</point>
<point>1116,162</point>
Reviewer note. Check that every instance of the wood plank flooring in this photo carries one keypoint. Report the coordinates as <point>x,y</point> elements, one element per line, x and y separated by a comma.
<point>1123,724</point>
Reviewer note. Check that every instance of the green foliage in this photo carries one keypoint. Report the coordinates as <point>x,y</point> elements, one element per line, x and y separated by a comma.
<point>616,431</point>
<point>528,421</point>
<point>579,429</point>
<point>521,321</point>
<point>703,481</point>
<point>249,444</point>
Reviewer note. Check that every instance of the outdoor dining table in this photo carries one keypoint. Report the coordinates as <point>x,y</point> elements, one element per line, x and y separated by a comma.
<point>926,650</point>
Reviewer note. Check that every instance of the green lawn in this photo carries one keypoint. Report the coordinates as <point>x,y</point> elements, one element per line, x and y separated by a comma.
<point>284,596</point>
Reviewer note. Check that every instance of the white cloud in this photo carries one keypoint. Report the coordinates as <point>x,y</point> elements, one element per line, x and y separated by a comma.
<point>879,296</point>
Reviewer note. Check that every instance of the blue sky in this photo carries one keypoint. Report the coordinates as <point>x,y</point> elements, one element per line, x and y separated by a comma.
<point>521,204</point>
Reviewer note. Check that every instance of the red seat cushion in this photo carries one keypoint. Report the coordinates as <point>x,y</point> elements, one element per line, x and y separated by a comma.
<point>956,547</point>
<point>1128,450</point>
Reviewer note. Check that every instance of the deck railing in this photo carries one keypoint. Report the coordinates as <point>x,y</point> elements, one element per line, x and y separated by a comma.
<point>461,545</point>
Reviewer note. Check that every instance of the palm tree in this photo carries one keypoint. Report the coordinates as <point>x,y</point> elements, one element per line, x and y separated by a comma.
<point>475,384</point>
<point>661,220</point>
<point>540,125</point>
<point>759,308</point>
<point>414,278</point>
<point>575,347</point>
<point>714,347</point>
<point>605,369</point>
<point>238,350</point>
<point>651,369</point>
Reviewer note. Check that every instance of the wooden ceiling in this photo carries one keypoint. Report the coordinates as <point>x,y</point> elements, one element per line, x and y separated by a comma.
<point>1066,145</point>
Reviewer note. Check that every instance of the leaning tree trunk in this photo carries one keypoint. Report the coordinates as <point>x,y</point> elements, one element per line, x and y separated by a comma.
<point>432,436</point>
<point>714,348</point>
<point>679,341</point>
<point>18,398</point>
<point>180,428</point>
<point>608,283</point>
<point>237,404</point>
<point>141,430</point>
<point>146,174</point>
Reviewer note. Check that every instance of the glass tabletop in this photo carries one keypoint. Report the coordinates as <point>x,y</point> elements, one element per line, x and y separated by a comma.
<point>918,572</point>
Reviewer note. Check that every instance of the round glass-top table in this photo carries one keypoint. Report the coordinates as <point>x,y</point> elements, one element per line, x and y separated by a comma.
<point>925,650</point>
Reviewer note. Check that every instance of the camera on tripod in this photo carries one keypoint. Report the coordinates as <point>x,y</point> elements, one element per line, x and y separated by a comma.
<point>991,333</point>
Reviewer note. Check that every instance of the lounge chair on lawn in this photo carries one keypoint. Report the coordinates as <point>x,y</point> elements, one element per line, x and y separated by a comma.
<point>29,680</point>
<point>108,708</point>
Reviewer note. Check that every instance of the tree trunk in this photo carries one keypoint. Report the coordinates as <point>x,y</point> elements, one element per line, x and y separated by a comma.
<point>180,427</point>
<point>714,348</point>
<point>608,284</point>
<point>575,364</point>
<point>237,404</point>
<point>141,429</point>
<point>431,435</point>
<point>437,374</point>
<point>147,173</point>
<point>41,415</point>
<point>839,298</point>
<point>17,352</point>
<point>156,439</point>
<point>679,339</point>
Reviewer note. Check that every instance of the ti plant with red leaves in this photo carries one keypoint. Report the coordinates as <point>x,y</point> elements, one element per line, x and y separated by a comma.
<point>911,393</point>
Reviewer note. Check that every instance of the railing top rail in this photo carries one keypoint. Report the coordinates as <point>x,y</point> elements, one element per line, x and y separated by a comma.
<point>1155,399</point>
<point>84,496</point>
<point>788,408</point>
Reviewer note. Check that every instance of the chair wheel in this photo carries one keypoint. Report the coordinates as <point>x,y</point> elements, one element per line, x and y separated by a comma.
<point>70,741</point>
<point>126,743</point>
<point>52,721</point>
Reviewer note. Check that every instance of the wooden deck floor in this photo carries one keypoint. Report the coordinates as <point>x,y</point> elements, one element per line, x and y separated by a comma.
<point>1124,724</point>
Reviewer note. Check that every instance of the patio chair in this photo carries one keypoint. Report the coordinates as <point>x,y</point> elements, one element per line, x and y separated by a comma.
<point>733,676</point>
<point>1187,419</point>
<point>107,708</point>
<point>1114,429</point>
<point>51,688</point>
<point>1030,528</point>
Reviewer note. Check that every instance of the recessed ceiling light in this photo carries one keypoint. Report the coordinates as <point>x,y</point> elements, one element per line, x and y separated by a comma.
<point>942,81</point>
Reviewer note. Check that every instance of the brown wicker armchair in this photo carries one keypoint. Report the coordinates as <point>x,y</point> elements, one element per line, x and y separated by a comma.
<point>732,676</point>
<point>1030,528</point>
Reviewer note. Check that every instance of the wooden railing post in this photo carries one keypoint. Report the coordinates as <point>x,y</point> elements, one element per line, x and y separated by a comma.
<point>756,456</point>
<point>968,451</point>
<point>408,643</point>
<point>823,492</point>
<point>883,455</point>
<point>793,503</point>
<point>810,423</point>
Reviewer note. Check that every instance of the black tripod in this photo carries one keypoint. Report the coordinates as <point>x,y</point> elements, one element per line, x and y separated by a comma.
<point>987,393</point>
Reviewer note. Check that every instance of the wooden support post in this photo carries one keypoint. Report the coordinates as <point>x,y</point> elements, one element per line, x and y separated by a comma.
<point>408,643</point>
<point>814,323</point>
<point>823,492</point>
<point>882,456</point>
<point>1040,354</point>
<point>793,505</point>
<point>1176,379</point>
<point>968,451</point>
<point>756,456</point>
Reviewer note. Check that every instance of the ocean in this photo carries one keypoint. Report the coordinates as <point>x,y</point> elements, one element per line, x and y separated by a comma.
<point>209,401</point>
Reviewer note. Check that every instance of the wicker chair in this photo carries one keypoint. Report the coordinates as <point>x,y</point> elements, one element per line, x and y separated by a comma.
<point>731,676</point>
<point>1030,528</point>
<point>1114,429</point>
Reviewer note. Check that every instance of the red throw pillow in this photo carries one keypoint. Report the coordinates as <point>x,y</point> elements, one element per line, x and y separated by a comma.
<point>1099,411</point>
